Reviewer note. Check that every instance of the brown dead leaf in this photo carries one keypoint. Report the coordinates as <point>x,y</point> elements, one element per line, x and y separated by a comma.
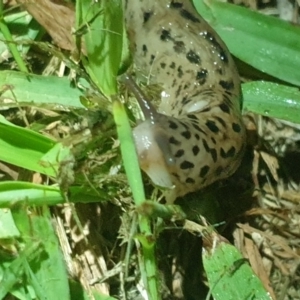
<point>257,265</point>
<point>57,17</point>
<point>277,240</point>
<point>272,163</point>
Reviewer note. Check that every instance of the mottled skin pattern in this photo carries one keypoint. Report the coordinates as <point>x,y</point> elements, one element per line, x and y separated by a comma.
<point>197,136</point>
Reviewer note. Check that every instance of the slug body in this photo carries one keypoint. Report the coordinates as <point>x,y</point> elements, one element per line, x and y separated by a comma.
<point>197,135</point>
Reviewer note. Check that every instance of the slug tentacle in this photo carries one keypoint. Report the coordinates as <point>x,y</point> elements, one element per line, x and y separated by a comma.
<point>146,106</point>
<point>197,135</point>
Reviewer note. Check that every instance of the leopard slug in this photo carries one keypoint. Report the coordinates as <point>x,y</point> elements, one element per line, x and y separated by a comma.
<point>196,136</point>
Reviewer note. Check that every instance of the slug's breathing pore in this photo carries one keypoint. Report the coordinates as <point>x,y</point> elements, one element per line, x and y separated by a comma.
<point>197,135</point>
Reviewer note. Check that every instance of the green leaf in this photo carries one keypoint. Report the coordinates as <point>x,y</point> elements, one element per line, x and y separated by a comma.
<point>130,159</point>
<point>230,276</point>
<point>24,148</point>
<point>266,43</point>
<point>77,289</point>
<point>148,265</point>
<point>22,28</point>
<point>46,274</point>
<point>12,272</point>
<point>8,228</point>
<point>49,275</point>
<point>272,100</point>
<point>101,24</point>
<point>38,90</point>
<point>18,193</point>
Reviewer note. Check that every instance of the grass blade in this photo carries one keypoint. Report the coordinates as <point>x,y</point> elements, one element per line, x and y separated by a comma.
<point>264,42</point>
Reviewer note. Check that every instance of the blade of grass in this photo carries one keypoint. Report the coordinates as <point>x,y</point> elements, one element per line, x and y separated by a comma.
<point>10,42</point>
<point>53,265</point>
<point>12,272</point>
<point>38,90</point>
<point>133,172</point>
<point>19,193</point>
<point>47,274</point>
<point>8,228</point>
<point>24,148</point>
<point>272,100</point>
<point>23,28</point>
<point>266,43</point>
<point>101,24</point>
<point>77,289</point>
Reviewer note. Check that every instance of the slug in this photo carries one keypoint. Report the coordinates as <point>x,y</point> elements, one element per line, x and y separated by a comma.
<point>196,136</point>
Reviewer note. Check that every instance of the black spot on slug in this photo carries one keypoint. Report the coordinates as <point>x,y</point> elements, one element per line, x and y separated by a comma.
<point>147,16</point>
<point>186,134</point>
<point>212,126</point>
<point>224,107</point>
<point>205,145</point>
<point>228,154</point>
<point>221,121</point>
<point>173,125</point>
<point>162,65</point>
<point>179,153</point>
<point>192,117</point>
<point>189,180</point>
<point>223,56</point>
<point>184,125</point>
<point>197,136</point>
<point>185,100</point>
<point>193,57</point>
<point>209,37</point>
<point>236,127</point>
<point>176,4</point>
<point>188,16</point>
<point>203,171</point>
<point>186,165</point>
<point>213,153</point>
<point>174,82</point>
<point>206,109</point>
<point>195,150</point>
<point>201,76</point>
<point>227,85</point>
<point>144,49</point>
<point>172,140</point>
<point>176,175</point>
<point>172,65</point>
<point>180,72</point>
<point>222,53</point>
<point>179,47</point>
<point>226,99</point>
<point>178,91</point>
<point>165,35</point>
<point>152,57</point>
<point>197,127</point>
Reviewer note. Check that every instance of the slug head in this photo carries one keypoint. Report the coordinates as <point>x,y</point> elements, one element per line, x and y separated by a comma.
<point>154,152</point>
